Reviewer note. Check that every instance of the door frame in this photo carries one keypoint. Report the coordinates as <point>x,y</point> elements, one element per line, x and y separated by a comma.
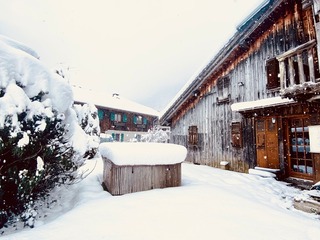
<point>286,129</point>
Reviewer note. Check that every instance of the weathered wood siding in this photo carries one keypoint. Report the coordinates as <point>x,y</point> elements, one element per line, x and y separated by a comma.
<point>119,180</point>
<point>287,27</point>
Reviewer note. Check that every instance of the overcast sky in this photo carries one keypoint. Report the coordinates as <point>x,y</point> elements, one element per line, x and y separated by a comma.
<point>145,50</point>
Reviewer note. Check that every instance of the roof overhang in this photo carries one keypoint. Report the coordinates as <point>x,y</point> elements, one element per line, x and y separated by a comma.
<point>259,104</point>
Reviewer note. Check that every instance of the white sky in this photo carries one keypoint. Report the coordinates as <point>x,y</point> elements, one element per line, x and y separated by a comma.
<point>145,50</point>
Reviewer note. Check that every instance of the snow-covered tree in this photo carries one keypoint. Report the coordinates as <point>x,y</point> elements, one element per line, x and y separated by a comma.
<point>41,143</point>
<point>87,115</point>
<point>157,134</point>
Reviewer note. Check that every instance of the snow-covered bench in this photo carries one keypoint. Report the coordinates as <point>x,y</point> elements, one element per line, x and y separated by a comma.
<point>133,167</point>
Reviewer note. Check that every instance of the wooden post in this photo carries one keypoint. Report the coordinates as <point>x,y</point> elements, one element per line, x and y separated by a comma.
<point>282,69</point>
<point>311,65</point>
<point>302,77</point>
<point>316,7</point>
<point>291,71</point>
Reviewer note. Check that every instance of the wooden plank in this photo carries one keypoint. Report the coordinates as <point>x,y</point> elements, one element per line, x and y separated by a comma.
<point>308,206</point>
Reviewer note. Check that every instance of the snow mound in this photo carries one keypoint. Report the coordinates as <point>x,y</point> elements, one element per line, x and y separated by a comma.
<point>143,153</point>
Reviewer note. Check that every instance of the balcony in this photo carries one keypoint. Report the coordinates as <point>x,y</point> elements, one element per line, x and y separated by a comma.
<point>298,72</point>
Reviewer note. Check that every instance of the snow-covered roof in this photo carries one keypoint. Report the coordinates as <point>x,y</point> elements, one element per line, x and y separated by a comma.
<point>143,153</point>
<point>246,27</point>
<point>113,101</point>
<point>269,102</point>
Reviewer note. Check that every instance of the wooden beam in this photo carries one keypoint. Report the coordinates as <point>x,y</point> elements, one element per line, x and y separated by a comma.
<point>297,50</point>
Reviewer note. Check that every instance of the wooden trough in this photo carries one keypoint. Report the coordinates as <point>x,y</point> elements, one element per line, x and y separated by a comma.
<point>126,178</point>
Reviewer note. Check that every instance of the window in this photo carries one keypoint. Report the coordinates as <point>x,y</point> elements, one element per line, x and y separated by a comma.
<point>193,136</point>
<point>300,156</point>
<point>236,135</point>
<point>115,117</point>
<point>272,69</point>
<point>223,89</point>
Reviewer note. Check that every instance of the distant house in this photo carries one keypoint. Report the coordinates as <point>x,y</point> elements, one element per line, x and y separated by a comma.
<point>256,104</point>
<point>123,119</point>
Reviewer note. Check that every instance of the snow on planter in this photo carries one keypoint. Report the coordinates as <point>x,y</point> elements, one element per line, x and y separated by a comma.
<point>133,167</point>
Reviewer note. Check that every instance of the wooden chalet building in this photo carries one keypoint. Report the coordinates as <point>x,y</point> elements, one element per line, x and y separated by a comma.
<point>256,103</point>
<point>119,117</point>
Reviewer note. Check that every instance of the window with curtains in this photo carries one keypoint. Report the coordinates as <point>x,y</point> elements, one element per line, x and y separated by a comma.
<point>115,117</point>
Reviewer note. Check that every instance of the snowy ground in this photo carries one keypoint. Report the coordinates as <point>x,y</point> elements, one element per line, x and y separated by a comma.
<point>210,204</point>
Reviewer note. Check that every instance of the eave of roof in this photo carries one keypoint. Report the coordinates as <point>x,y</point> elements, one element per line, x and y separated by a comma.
<point>244,30</point>
<point>262,103</point>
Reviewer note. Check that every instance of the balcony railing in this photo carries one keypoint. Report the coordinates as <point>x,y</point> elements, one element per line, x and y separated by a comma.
<point>297,66</point>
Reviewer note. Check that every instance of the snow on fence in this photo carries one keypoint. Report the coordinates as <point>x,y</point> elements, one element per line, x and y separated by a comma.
<point>134,167</point>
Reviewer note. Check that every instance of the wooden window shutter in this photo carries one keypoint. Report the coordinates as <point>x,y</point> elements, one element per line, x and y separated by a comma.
<point>112,116</point>
<point>100,114</point>
<point>145,121</point>
<point>236,135</point>
<point>272,69</point>
<point>124,118</point>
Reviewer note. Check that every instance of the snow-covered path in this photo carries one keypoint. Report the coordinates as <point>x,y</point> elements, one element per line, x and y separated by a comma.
<point>211,203</point>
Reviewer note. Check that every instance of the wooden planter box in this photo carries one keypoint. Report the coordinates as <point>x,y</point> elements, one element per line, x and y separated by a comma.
<point>122,179</point>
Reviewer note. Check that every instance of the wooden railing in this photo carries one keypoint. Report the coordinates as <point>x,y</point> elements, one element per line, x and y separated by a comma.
<point>296,66</point>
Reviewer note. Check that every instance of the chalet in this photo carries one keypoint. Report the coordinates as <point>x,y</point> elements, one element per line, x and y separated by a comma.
<point>256,103</point>
<point>123,119</point>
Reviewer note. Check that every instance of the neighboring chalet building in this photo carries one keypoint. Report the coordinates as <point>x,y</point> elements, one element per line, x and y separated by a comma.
<point>256,103</point>
<point>119,117</point>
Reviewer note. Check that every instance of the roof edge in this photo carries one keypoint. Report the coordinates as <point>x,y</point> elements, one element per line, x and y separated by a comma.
<point>242,33</point>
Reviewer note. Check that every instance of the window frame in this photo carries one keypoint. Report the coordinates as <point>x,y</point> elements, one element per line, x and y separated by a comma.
<point>272,72</point>
<point>223,89</point>
<point>193,139</point>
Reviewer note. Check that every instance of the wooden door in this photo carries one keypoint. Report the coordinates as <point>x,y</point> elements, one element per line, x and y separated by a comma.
<point>267,146</point>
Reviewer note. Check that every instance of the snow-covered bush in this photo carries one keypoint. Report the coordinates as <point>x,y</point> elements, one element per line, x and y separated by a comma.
<point>87,115</point>
<point>41,143</point>
<point>157,134</point>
